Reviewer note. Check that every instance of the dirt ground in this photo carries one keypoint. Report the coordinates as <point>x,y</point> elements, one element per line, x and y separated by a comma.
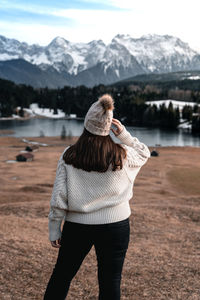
<point>163,259</point>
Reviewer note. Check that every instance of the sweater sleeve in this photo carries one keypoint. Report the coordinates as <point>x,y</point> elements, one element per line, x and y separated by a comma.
<point>137,152</point>
<point>58,202</point>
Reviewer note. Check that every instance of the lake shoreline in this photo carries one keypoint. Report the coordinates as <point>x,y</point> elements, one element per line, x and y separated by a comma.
<point>57,141</point>
<point>38,117</point>
<point>47,127</point>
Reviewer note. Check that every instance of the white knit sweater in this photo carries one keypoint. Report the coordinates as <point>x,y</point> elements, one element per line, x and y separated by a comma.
<point>93,197</point>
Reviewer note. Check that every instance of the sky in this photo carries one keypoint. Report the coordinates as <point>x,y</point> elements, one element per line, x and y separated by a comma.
<point>40,21</point>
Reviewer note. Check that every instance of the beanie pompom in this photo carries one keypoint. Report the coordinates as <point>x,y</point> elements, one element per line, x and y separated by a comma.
<point>107,102</point>
<point>98,119</point>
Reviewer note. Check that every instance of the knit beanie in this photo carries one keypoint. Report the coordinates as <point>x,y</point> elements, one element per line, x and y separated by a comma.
<point>98,119</point>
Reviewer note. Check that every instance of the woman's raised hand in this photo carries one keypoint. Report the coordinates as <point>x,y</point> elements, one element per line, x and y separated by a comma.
<point>118,125</point>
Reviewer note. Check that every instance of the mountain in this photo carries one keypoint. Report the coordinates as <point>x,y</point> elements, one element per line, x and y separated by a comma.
<point>162,77</point>
<point>159,54</point>
<point>65,63</point>
<point>23,72</point>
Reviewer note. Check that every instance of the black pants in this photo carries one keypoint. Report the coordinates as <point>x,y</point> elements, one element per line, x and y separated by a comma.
<point>110,242</point>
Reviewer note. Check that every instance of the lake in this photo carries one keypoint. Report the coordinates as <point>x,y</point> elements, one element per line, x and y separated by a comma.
<point>51,127</point>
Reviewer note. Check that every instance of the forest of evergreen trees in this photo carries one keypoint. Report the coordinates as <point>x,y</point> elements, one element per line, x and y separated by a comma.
<point>130,102</point>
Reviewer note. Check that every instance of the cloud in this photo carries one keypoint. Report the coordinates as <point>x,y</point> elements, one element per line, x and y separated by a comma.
<point>137,21</point>
<point>156,5</point>
<point>84,24</point>
<point>40,34</point>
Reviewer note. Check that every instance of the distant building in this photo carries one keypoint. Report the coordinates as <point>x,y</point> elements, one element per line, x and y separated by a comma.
<point>24,157</point>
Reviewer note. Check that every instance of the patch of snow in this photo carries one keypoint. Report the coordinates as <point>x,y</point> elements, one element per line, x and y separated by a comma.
<point>35,110</point>
<point>72,116</point>
<point>15,116</point>
<point>34,143</point>
<point>78,60</point>
<point>6,118</point>
<point>185,125</point>
<point>40,59</point>
<point>152,68</point>
<point>49,113</point>
<point>60,41</point>
<point>45,112</point>
<point>33,106</point>
<point>106,66</point>
<point>29,111</point>
<point>117,72</point>
<point>175,103</point>
<point>11,161</point>
<point>194,77</point>
<point>6,56</point>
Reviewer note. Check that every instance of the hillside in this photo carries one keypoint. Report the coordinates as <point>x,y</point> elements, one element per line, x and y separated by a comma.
<point>22,72</point>
<point>172,76</point>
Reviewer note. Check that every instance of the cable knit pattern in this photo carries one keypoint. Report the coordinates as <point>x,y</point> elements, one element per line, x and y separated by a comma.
<point>58,203</point>
<point>94,197</point>
<point>137,152</point>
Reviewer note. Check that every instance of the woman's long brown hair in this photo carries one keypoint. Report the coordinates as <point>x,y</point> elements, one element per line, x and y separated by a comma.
<point>95,153</point>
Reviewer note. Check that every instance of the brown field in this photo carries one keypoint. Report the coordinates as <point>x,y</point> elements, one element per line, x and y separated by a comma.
<point>163,259</point>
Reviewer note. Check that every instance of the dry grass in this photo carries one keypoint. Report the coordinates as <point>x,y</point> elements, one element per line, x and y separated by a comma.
<point>186,180</point>
<point>163,257</point>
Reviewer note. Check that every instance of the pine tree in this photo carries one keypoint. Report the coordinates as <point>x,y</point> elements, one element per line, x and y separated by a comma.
<point>21,112</point>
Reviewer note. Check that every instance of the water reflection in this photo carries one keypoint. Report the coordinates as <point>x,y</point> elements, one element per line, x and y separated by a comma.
<point>50,127</point>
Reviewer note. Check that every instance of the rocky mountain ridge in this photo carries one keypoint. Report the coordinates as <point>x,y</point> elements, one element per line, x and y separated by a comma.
<point>95,62</point>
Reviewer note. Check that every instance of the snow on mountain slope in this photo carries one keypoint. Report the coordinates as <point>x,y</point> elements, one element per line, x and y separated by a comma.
<point>12,49</point>
<point>122,58</point>
<point>119,59</point>
<point>149,45</point>
<point>158,53</point>
<point>63,55</point>
<point>69,57</point>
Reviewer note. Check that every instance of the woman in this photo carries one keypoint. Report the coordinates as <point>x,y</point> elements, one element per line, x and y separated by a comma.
<point>92,189</point>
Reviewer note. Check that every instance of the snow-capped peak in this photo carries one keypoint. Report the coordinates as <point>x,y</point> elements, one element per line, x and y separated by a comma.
<point>59,41</point>
<point>125,55</point>
<point>122,37</point>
